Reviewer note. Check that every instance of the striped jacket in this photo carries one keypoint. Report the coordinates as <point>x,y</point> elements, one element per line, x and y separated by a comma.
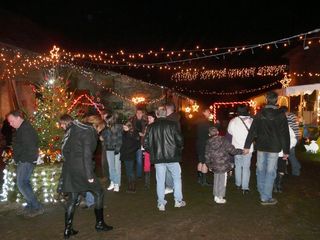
<point>293,123</point>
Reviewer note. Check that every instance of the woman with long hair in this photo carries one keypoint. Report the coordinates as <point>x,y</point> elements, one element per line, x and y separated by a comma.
<point>112,139</point>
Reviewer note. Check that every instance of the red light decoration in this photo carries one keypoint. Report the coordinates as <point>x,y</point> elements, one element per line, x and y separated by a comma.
<point>226,104</point>
<point>91,103</point>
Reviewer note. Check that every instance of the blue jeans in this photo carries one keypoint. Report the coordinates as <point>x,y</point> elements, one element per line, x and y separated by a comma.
<point>295,165</point>
<point>242,170</point>
<point>24,172</point>
<point>175,170</point>
<point>114,164</point>
<point>139,162</point>
<point>266,173</point>
<point>129,169</point>
<point>89,199</point>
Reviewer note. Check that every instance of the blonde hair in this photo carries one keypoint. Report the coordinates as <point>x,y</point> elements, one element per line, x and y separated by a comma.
<point>96,122</point>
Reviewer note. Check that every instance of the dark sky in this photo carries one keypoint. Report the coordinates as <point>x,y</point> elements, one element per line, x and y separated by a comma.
<point>137,25</point>
<point>143,25</point>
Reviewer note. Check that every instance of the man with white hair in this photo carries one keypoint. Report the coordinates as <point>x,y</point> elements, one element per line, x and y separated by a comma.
<point>164,142</point>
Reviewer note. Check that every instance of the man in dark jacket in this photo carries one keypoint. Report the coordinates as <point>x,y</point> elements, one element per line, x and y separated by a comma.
<point>175,117</point>
<point>271,132</point>
<point>164,142</point>
<point>25,154</point>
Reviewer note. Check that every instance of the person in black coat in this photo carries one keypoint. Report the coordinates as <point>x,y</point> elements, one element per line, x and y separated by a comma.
<point>129,147</point>
<point>270,131</point>
<point>25,153</point>
<point>78,146</point>
<point>164,142</point>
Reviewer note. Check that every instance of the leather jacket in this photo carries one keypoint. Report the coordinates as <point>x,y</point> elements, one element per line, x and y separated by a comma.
<point>163,141</point>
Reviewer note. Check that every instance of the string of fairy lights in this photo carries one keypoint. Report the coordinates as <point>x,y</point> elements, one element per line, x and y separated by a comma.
<point>164,59</point>
<point>44,61</point>
<point>18,61</point>
<point>217,105</point>
<point>224,93</point>
<point>190,75</point>
<point>122,59</point>
<point>43,180</point>
<point>134,100</point>
<point>24,65</point>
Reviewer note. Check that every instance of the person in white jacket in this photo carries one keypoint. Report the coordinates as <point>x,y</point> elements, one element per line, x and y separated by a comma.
<point>282,163</point>
<point>239,127</point>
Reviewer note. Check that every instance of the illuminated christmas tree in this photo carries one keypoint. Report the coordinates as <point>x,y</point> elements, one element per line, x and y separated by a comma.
<point>52,101</point>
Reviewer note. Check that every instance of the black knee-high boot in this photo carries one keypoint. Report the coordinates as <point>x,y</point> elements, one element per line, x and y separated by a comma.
<point>280,183</point>
<point>68,218</point>
<point>277,186</point>
<point>204,180</point>
<point>199,175</point>
<point>100,224</point>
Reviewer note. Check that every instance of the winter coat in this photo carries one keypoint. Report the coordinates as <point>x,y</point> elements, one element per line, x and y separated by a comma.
<point>25,144</point>
<point>79,144</point>
<point>112,138</point>
<point>270,130</point>
<point>130,145</point>
<point>163,141</point>
<point>218,153</point>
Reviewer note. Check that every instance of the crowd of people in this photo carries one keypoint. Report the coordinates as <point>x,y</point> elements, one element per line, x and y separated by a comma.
<point>156,139</point>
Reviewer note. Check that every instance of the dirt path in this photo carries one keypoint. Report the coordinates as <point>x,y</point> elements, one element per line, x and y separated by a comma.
<point>135,216</point>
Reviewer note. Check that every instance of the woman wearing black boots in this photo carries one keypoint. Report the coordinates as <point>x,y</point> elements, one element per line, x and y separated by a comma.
<point>78,146</point>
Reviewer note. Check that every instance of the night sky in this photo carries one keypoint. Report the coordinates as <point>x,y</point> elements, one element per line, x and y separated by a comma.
<point>143,25</point>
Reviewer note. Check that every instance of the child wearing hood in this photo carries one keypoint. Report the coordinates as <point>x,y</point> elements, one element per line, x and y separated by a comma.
<point>218,159</point>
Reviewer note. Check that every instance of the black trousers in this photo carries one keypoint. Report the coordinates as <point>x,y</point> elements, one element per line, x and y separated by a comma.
<point>73,199</point>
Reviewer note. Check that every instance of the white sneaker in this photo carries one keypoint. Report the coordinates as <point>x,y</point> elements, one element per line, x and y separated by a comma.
<point>161,207</point>
<point>111,186</point>
<point>180,204</point>
<point>220,200</point>
<point>116,188</point>
<point>168,190</point>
